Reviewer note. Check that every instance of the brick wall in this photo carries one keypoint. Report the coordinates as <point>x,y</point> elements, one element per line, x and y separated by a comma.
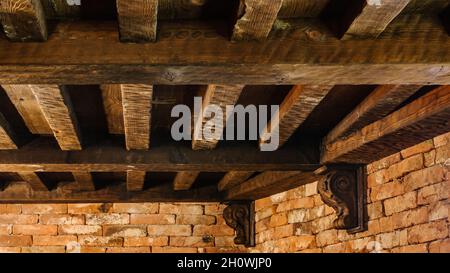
<point>408,196</point>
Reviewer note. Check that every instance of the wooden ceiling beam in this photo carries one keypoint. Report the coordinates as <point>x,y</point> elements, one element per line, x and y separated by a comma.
<point>135,180</point>
<point>56,105</point>
<point>422,119</point>
<point>23,20</point>
<point>84,180</point>
<point>184,180</point>
<point>138,20</point>
<point>8,139</point>
<point>112,103</point>
<point>255,19</point>
<point>288,59</point>
<point>137,106</point>
<point>382,101</point>
<point>33,180</point>
<point>232,179</point>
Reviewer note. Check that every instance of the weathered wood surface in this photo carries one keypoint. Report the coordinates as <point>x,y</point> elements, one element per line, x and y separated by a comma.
<point>23,20</point>
<point>55,103</point>
<point>26,104</point>
<point>112,104</point>
<point>8,139</point>
<point>137,106</point>
<point>135,180</point>
<point>232,179</point>
<point>422,119</point>
<point>416,48</point>
<point>84,180</point>
<point>138,20</point>
<point>34,181</point>
<point>382,101</point>
<point>184,180</point>
<point>43,155</point>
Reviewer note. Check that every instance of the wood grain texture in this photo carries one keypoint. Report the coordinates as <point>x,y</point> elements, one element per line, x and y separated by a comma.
<point>294,110</point>
<point>23,20</point>
<point>422,119</point>
<point>302,8</point>
<point>84,180</point>
<point>255,19</point>
<point>417,48</point>
<point>26,104</point>
<point>112,103</point>
<point>184,180</point>
<point>217,95</point>
<point>135,180</point>
<point>232,179</point>
<point>138,20</point>
<point>374,18</point>
<point>269,183</point>
<point>55,103</point>
<point>7,136</point>
<point>382,101</point>
<point>34,181</point>
<point>137,106</point>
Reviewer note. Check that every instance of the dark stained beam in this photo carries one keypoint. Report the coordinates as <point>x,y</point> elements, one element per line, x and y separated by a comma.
<point>422,119</point>
<point>286,59</point>
<point>43,155</point>
<point>23,20</point>
<point>232,179</point>
<point>302,8</point>
<point>135,180</point>
<point>84,180</point>
<point>138,20</point>
<point>382,101</point>
<point>184,180</point>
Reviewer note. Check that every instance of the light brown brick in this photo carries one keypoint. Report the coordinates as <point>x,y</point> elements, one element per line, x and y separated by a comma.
<point>215,230</point>
<point>15,219</point>
<point>306,202</point>
<point>61,219</point>
<point>427,232</point>
<point>283,231</point>
<point>279,197</point>
<point>262,225</point>
<point>311,189</point>
<point>195,219</point>
<point>60,240</point>
<point>337,248</point>
<point>107,219</point>
<point>377,178</point>
<point>87,240</point>
<point>92,249</point>
<point>422,147</point>
<point>152,219</point>
<point>9,249</point>
<point>385,191</point>
<point>422,178</point>
<point>263,203</point>
<point>224,241</point>
<point>169,249</point>
<point>191,241</point>
<point>361,245</point>
<point>213,209</point>
<point>89,208</point>
<point>438,210</point>
<point>170,230</point>
<point>383,163</point>
<point>136,208</point>
<point>124,231</point>
<point>442,155</point>
<point>389,240</point>
<point>141,249</point>
<point>441,246</point>
<point>278,219</point>
<point>264,213</point>
<point>327,237</point>
<point>44,208</point>
<point>400,203</point>
<point>302,228</point>
<point>5,229</point>
<point>323,223</point>
<point>146,241</point>
<point>442,140</point>
<point>165,208</point>
<point>80,229</point>
<point>15,240</point>
<point>44,249</point>
<point>405,166</point>
<point>10,209</point>
<point>429,158</point>
<point>409,218</point>
<point>420,248</point>
<point>35,230</point>
<point>375,210</point>
<point>298,215</point>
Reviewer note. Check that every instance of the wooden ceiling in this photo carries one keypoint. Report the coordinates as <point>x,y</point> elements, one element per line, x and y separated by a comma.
<point>86,92</point>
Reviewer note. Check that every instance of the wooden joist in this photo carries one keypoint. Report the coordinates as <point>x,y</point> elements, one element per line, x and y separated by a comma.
<point>112,103</point>
<point>23,20</point>
<point>255,19</point>
<point>7,136</point>
<point>371,17</point>
<point>137,106</point>
<point>138,20</point>
<point>288,59</point>
<point>84,180</point>
<point>382,101</point>
<point>232,179</point>
<point>268,183</point>
<point>34,181</point>
<point>215,95</point>
<point>294,110</point>
<point>135,180</point>
<point>184,180</point>
<point>422,119</point>
<point>56,105</point>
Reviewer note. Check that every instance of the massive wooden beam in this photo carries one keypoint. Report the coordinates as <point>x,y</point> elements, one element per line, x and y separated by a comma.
<point>34,181</point>
<point>84,180</point>
<point>135,180</point>
<point>68,193</point>
<point>138,20</point>
<point>232,179</point>
<point>56,105</point>
<point>255,19</point>
<point>43,155</point>
<point>382,101</point>
<point>422,119</point>
<point>112,103</point>
<point>8,139</point>
<point>137,106</point>
<point>23,20</point>
<point>291,56</point>
<point>184,180</point>
<point>268,183</point>
<point>294,110</point>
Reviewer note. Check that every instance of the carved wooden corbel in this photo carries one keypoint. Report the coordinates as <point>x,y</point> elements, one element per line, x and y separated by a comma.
<point>240,215</point>
<point>343,188</point>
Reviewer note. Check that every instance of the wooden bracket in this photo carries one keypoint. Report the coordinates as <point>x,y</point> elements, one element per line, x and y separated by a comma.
<point>240,215</point>
<point>343,187</point>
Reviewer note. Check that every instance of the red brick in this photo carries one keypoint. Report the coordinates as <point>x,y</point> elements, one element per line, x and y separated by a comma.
<point>61,219</point>
<point>137,208</point>
<point>35,229</point>
<point>89,208</point>
<point>87,240</point>
<point>152,219</point>
<point>191,241</point>
<point>80,229</point>
<point>107,219</point>
<point>169,249</point>
<point>400,203</point>
<point>170,230</point>
<point>422,178</point>
<point>405,166</point>
<point>385,191</point>
<point>15,219</point>
<point>60,240</point>
<point>44,249</point>
<point>417,149</point>
<point>124,231</point>
<point>44,208</point>
<point>427,232</point>
<point>128,250</point>
<point>146,241</point>
<point>180,209</point>
<point>195,219</point>
<point>15,240</point>
<point>212,230</point>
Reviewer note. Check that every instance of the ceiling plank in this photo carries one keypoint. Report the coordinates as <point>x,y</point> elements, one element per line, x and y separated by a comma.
<point>268,183</point>
<point>184,180</point>
<point>255,19</point>
<point>56,105</point>
<point>373,17</point>
<point>84,180</point>
<point>138,20</point>
<point>382,101</point>
<point>23,20</point>
<point>422,119</point>
<point>34,181</point>
<point>112,103</point>
<point>137,106</point>
<point>8,139</point>
<point>135,180</point>
<point>232,179</point>
<point>26,104</point>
